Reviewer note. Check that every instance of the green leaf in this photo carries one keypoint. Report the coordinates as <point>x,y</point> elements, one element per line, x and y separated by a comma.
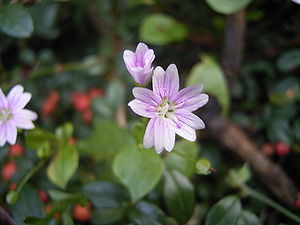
<point>211,75</point>
<point>106,141</point>
<point>183,157</point>
<point>60,196</point>
<point>138,130</point>
<point>44,15</point>
<point>64,132</point>
<point>63,166</point>
<point>15,21</point>
<point>280,130</point>
<point>203,166</point>
<point>105,194</point>
<point>132,167</point>
<point>248,218</point>
<point>289,60</point>
<point>107,216</point>
<point>225,212</point>
<point>160,29</point>
<point>115,94</point>
<point>144,213</point>
<point>237,177</point>
<point>179,196</point>
<point>29,205</point>
<point>227,6</point>
<point>36,138</point>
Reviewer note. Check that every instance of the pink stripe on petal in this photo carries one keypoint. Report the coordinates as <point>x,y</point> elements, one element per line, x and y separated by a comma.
<point>146,96</point>
<point>189,119</point>
<point>187,93</point>
<point>148,141</point>
<point>186,132</point>
<point>159,135</point>
<point>142,108</point>
<point>140,51</point>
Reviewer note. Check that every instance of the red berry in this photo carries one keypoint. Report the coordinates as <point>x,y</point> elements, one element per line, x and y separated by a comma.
<point>81,101</point>
<point>281,148</point>
<point>9,170</point>
<point>95,92</point>
<point>72,141</point>
<point>43,196</point>
<point>297,203</point>
<point>48,209</point>
<point>82,213</point>
<point>87,116</point>
<point>50,104</point>
<point>16,150</point>
<point>267,149</point>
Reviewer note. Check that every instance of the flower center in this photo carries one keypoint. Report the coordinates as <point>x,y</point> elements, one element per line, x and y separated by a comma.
<point>165,109</point>
<point>5,115</point>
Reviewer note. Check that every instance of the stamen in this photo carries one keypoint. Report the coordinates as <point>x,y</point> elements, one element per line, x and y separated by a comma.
<point>5,115</point>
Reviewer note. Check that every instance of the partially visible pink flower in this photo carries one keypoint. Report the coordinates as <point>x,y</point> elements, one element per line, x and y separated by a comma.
<point>138,63</point>
<point>13,115</point>
<point>169,110</point>
<point>296,1</point>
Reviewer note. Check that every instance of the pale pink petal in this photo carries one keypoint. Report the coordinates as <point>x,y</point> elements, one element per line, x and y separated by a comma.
<point>193,104</point>
<point>159,135</point>
<point>22,101</point>
<point>146,96</point>
<point>129,59</point>
<point>148,58</point>
<point>149,134</point>
<point>189,119</point>
<point>11,133</point>
<point>169,135</point>
<point>2,135</point>
<point>187,93</point>
<point>186,132</point>
<point>3,100</point>
<point>166,84</point>
<point>141,50</point>
<point>142,108</point>
<point>23,119</point>
<point>14,94</point>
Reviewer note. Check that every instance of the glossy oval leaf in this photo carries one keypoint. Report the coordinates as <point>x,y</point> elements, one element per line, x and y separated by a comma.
<point>63,166</point>
<point>160,29</point>
<point>16,21</point>
<point>225,212</point>
<point>138,169</point>
<point>289,60</point>
<point>248,218</point>
<point>227,6</point>
<point>183,157</point>
<point>211,75</point>
<point>179,196</point>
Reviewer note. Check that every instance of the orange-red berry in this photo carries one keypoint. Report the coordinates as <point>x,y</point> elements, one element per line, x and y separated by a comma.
<point>43,196</point>
<point>81,101</point>
<point>82,213</point>
<point>9,169</point>
<point>50,104</point>
<point>281,148</point>
<point>16,150</point>
<point>95,92</point>
<point>12,186</point>
<point>87,116</point>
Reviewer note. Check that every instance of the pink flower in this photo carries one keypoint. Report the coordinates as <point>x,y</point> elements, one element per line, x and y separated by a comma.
<point>138,63</point>
<point>169,110</point>
<point>12,114</point>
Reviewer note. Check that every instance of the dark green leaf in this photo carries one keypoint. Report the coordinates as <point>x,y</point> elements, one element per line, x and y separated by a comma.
<point>227,6</point>
<point>289,60</point>
<point>248,218</point>
<point>132,167</point>
<point>225,212</point>
<point>63,166</point>
<point>37,138</point>
<point>144,213</point>
<point>183,157</point>
<point>106,141</point>
<point>105,194</point>
<point>237,177</point>
<point>279,130</point>
<point>15,21</point>
<point>179,196</point>
<point>160,29</point>
<point>29,205</point>
<point>107,216</point>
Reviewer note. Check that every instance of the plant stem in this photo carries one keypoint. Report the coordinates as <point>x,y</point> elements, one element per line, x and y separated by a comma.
<point>270,202</point>
<point>30,174</point>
